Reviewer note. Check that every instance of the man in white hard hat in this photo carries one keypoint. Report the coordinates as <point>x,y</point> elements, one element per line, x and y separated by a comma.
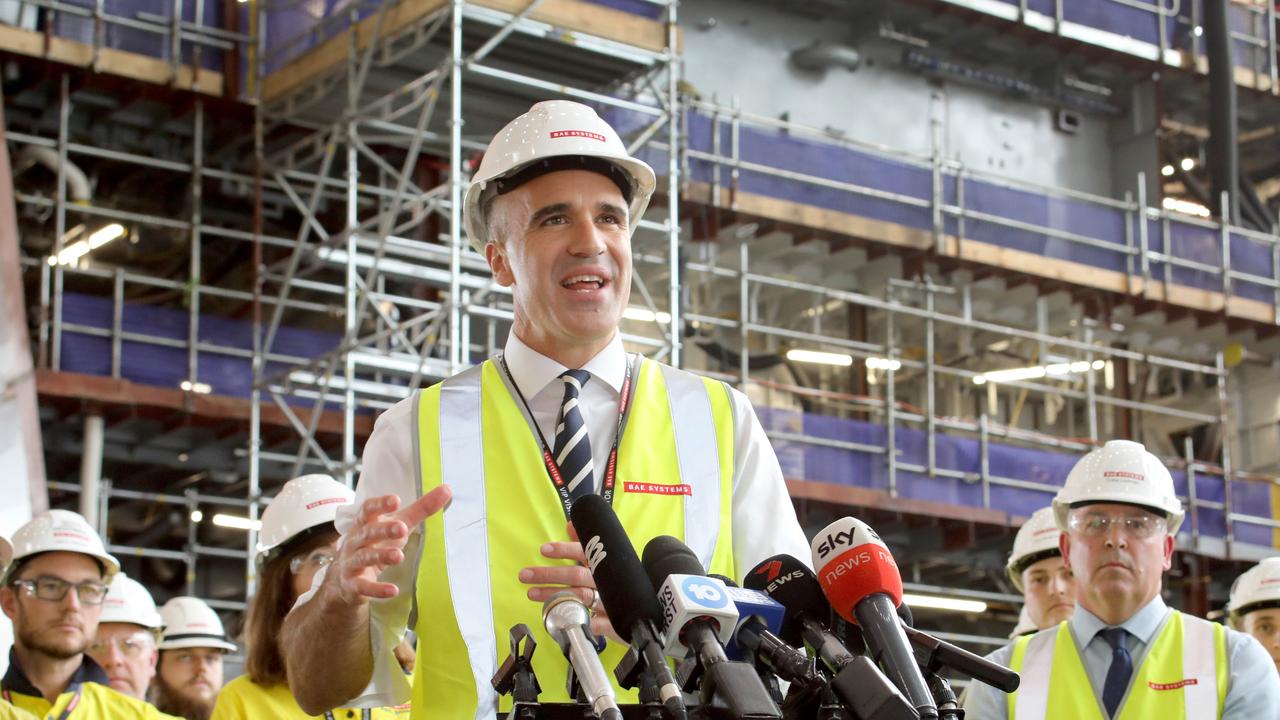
<point>1124,653</point>
<point>125,644</point>
<point>1254,605</point>
<point>189,674</point>
<point>563,412</point>
<point>53,592</point>
<point>1037,569</point>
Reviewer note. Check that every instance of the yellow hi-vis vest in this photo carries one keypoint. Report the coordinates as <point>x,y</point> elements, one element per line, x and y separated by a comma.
<point>475,437</point>
<point>1184,675</point>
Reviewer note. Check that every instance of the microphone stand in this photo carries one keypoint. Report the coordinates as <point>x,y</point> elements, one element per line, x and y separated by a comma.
<point>948,707</point>
<point>515,677</point>
<point>632,672</point>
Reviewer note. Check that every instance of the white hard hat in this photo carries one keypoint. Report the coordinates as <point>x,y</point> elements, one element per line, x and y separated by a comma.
<point>1122,471</point>
<point>189,623</point>
<point>127,601</point>
<point>1024,626</point>
<point>1036,540</point>
<point>303,503</point>
<point>554,129</point>
<point>6,554</point>
<point>61,531</point>
<point>1255,589</point>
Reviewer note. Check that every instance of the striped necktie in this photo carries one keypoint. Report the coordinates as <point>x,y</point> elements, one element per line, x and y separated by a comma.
<point>572,450</point>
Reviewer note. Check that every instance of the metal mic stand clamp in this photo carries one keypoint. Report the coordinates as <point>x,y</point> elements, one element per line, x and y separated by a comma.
<point>515,677</point>
<point>948,707</point>
<point>631,672</point>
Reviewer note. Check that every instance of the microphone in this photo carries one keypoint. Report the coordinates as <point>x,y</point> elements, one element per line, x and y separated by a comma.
<point>857,683</point>
<point>860,578</point>
<point>636,616</point>
<point>568,622</point>
<point>759,617</point>
<point>933,653</point>
<point>700,619</point>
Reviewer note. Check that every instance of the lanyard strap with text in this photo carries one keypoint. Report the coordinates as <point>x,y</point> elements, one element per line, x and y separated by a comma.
<point>75,700</point>
<point>553,470</point>
<point>365,714</point>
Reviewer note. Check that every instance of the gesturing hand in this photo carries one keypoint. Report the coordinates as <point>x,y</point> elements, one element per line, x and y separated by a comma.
<point>376,541</point>
<point>548,580</point>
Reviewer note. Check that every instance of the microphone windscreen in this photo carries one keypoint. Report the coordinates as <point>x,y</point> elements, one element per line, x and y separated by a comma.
<point>788,582</point>
<point>904,614</point>
<point>620,579</point>
<point>852,563</point>
<point>665,556</point>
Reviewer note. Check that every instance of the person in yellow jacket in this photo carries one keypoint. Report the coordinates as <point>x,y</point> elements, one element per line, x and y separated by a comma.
<point>53,592</point>
<point>1254,605</point>
<point>1123,653</point>
<point>297,539</point>
<point>9,712</point>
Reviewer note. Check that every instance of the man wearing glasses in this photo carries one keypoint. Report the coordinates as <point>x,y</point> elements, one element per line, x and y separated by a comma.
<point>1124,653</point>
<point>125,645</point>
<point>53,593</point>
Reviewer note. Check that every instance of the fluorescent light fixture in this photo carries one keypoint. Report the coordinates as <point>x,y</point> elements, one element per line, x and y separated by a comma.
<point>196,516</point>
<point>1186,207</point>
<point>645,315</point>
<point>1187,163</point>
<point>944,603</point>
<point>1167,170</point>
<point>196,387</point>
<point>1039,371</point>
<point>73,252</point>
<point>1197,31</point>
<point>819,357</point>
<point>875,363</point>
<point>237,522</point>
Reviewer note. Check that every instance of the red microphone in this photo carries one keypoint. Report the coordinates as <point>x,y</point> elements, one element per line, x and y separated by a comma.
<point>863,584</point>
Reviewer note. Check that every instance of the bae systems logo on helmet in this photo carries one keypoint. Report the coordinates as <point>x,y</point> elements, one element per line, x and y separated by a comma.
<point>1124,475</point>
<point>579,134</point>
<point>595,553</point>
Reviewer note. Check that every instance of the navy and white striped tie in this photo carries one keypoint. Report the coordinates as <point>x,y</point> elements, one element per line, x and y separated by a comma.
<point>572,450</point>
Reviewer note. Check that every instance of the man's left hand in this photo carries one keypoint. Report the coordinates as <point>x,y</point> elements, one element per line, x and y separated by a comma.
<point>548,580</point>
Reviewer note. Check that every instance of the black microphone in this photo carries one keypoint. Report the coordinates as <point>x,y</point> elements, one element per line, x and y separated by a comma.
<point>621,582</point>
<point>934,653</point>
<point>857,683</point>
<point>700,617</point>
<point>765,646</point>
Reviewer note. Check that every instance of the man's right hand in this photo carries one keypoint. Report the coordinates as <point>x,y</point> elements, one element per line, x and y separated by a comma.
<point>376,541</point>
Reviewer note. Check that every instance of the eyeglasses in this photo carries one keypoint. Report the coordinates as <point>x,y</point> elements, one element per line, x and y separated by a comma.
<point>315,560</point>
<point>1096,524</point>
<point>131,646</point>
<point>53,589</point>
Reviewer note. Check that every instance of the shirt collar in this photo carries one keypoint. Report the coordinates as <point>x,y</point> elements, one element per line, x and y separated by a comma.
<point>16,681</point>
<point>532,371</point>
<point>1142,624</point>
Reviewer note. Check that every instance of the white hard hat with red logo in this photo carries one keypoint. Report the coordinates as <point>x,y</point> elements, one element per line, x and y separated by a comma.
<point>127,601</point>
<point>1257,588</point>
<point>303,503</point>
<point>61,531</point>
<point>1036,540</point>
<point>1122,471</point>
<point>190,623</point>
<point>554,135</point>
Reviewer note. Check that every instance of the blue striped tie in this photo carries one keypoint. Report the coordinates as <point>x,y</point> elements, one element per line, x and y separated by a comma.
<point>572,450</point>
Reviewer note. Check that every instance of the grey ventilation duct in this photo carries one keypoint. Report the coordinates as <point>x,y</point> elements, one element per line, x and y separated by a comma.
<point>77,181</point>
<point>821,57</point>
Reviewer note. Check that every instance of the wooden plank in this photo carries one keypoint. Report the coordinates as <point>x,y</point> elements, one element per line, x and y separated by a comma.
<point>571,15</point>
<point>110,61</point>
<point>859,497</point>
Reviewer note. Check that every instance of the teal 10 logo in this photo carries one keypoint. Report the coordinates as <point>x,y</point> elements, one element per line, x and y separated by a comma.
<point>705,592</point>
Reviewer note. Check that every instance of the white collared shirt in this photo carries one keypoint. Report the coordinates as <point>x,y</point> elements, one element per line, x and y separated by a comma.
<point>764,519</point>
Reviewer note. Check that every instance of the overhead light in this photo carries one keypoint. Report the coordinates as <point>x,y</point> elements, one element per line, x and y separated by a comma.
<point>1186,207</point>
<point>196,387</point>
<point>80,248</point>
<point>1197,31</point>
<point>1187,163</point>
<point>1039,371</point>
<point>819,357</point>
<point>645,315</point>
<point>237,522</point>
<point>944,603</point>
<point>1167,170</point>
<point>196,516</point>
<point>875,363</point>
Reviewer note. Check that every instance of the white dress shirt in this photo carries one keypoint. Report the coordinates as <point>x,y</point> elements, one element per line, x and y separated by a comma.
<point>764,520</point>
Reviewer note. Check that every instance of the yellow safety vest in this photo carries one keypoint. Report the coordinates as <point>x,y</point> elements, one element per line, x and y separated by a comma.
<point>1184,675</point>
<point>244,699</point>
<point>475,437</point>
<point>89,700</point>
<point>9,712</point>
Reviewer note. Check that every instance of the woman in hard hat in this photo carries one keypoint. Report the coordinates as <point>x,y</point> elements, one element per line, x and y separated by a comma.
<point>189,674</point>
<point>1254,605</point>
<point>1036,568</point>
<point>296,541</point>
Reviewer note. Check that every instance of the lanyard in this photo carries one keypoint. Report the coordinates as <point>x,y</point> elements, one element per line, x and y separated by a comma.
<point>365,714</point>
<point>548,460</point>
<point>75,700</point>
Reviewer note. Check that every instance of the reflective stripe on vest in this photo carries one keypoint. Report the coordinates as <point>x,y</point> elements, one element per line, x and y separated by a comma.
<point>1184,675</point>
<point>473,436</point>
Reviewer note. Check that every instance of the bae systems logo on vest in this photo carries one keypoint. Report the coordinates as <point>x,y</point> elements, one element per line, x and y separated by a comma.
<point>595,553</point>
<point>1173,685</point>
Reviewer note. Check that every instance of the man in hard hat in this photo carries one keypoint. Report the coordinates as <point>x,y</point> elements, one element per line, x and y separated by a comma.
<point>189,674</point>
<point>1036,568</point>
<point>1254,605</point>
<point>1124,653</point>
<point>564,412</point>
<point>125,644</point>
<point>53,592</point>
